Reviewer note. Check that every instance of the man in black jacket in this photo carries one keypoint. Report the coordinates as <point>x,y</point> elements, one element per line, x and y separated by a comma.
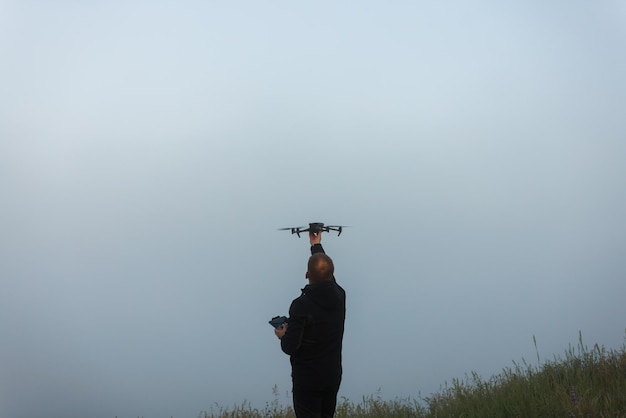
<point>313,337</point>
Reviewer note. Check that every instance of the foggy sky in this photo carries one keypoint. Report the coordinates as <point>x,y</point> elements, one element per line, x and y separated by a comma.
<point>149,151</point>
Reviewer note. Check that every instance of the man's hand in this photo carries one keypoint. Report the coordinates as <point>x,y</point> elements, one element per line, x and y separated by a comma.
<point>315,238</point>
<point>281,331</point>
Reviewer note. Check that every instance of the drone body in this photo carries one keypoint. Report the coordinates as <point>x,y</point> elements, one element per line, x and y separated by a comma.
<point>314,227</point>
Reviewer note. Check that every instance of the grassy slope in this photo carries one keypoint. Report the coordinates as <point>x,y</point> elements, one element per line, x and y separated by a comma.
<point>586,383</point>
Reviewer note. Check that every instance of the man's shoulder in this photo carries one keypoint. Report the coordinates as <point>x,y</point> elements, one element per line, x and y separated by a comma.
<point>300,306</point>
<point>338,285</point>
<point>299,301</point>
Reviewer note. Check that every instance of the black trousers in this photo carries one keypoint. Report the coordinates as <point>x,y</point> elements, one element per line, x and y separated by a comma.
<point>314,402</point>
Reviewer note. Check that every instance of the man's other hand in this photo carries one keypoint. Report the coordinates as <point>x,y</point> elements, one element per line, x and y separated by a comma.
<point>315,238</point>
<point>281,331</point>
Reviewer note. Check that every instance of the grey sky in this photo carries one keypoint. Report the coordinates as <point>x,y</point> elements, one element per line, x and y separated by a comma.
<point>150,150</point>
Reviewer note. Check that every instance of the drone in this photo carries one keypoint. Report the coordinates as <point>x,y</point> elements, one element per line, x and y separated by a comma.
<point>314,227</point>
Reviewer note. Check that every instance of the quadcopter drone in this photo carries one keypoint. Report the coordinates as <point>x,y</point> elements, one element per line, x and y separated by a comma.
<point>314,227</point>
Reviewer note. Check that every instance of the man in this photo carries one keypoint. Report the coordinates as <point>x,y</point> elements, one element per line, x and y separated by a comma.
<point>313,337</point>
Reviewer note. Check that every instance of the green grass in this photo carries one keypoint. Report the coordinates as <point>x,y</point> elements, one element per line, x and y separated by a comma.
<point>587,382</point>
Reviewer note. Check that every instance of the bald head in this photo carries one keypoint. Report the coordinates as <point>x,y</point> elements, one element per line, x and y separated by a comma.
<point>320,268</point>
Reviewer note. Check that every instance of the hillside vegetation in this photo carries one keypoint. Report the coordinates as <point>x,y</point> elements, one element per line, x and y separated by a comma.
<point>587,382</point>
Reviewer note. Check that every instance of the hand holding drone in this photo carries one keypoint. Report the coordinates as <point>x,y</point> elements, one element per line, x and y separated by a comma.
<point>314,228</point>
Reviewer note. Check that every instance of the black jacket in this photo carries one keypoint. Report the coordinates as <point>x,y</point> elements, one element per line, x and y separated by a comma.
<point>315,333</point>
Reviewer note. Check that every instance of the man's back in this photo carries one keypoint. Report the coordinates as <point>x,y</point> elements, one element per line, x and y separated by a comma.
<point>314,339</point>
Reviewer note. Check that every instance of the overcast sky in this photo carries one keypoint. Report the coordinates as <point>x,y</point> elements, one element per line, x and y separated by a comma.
<point>150,150</point>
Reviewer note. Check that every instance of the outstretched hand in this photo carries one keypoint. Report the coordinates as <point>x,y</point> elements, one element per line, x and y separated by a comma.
<point>315,238</point>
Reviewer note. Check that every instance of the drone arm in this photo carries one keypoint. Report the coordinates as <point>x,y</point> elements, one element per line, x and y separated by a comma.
<point>334,228</point>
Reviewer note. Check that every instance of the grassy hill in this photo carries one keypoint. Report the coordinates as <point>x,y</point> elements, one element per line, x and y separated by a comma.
<point>585,383</point>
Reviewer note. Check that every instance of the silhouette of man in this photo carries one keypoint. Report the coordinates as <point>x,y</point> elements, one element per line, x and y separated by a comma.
<point>313,337</point>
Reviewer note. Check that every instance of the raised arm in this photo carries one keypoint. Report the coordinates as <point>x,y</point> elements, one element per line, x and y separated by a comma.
<point>316,242</point>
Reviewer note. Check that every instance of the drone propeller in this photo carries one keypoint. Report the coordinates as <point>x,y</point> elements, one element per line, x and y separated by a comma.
<point>294,229</point>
